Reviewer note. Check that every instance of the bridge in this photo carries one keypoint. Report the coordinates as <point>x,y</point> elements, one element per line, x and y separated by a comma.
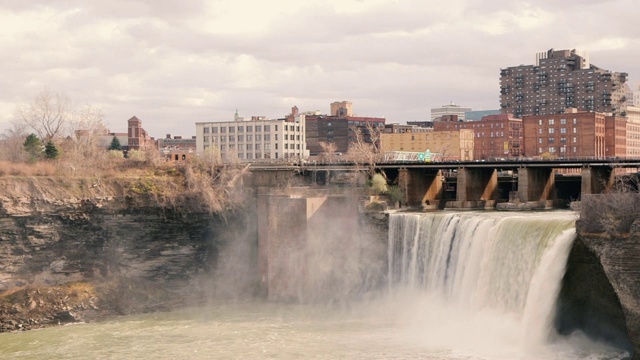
<point>511,184</point>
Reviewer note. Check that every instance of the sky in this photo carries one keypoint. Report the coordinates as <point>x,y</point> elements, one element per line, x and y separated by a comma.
<point>174,63</point>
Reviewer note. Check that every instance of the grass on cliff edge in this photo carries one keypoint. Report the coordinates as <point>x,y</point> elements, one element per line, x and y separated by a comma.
<point>202,186</point>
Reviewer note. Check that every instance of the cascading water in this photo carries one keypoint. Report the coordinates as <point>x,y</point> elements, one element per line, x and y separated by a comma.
<point>478,262</point>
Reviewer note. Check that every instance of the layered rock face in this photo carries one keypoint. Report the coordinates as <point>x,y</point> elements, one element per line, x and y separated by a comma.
<point>45,242</point>
<point>601,289</point>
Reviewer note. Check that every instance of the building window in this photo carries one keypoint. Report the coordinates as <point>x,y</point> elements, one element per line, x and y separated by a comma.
<point>232,129</point>
<point>563,130</point>
<point>223,138</point>
<point>286,128</point>
<point>240,137</point>
<point>575,130</point>
<point>552,149</point>
<point>551,140</point>
<point>240,147</point>
<point>540,131</point>
<point>575,121</point>
<point>551,122</point>
<point>267,137</point>
<point>552,130</point>
<point>257,146</point>
<point>268,146</point>
<point>539,140</point>
<point>540,122</point>
<point>232,138</point>
<point>563,121</point>
<point>286,146</point>
<point>223,130</point>
<point>249,137</point>
<point>206,130</point>
<point>575,139</point>
<point>240,129</point>
<point>266,128</point>
<point>249,147</point>
<point>250,128</point>
<point>258,137</point>
<point>214,130</point>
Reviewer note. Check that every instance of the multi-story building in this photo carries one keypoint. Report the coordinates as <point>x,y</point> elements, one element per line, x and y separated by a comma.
<point>561,79</point>
<point>496,136</point>
<point>476,115</point>
<point>444,145</point>
<point>396,128</point>
<point>633,132</point>
<point>138,137</point>
<point>615,136</point>
<point>255,139</point>
<point>573,134</point>
<point>451,109</point>
<point>177,148</point>
<point>422,124</point>
<point>340,128</point>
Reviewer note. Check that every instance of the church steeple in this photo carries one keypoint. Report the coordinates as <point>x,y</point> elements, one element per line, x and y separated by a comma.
<point>236,116</point>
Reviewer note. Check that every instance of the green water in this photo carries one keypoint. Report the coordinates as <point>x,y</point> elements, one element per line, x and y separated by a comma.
<point>399,329</point>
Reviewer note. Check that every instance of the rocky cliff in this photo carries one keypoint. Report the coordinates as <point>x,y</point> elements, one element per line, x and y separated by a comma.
<point>57,231</point>
<point>601,289</point>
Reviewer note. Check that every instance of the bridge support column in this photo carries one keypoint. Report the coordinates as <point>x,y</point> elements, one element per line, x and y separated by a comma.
<point>421,186</point>
<point>596,180</point>
<point>476,187</point>
<point>536,184</point>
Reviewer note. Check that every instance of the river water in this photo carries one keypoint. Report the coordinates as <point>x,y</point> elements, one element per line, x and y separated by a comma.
<point>461,286</point>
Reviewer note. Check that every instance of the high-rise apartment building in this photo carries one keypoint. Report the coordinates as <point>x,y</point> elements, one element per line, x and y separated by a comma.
<point>561,79</point>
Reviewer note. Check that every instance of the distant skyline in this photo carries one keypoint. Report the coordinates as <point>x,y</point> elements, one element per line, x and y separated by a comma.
<point>172,64</point>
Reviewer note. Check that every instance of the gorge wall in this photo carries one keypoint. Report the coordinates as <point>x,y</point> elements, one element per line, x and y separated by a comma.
<point>601,289</point>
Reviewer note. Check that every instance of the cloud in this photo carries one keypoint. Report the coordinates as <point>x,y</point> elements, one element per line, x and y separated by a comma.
<point>174,63</point>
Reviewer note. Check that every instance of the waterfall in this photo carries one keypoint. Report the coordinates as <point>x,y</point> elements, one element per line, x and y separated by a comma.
<point>475,262</point>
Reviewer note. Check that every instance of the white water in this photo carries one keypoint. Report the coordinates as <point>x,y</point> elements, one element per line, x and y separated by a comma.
<point>484,283</point>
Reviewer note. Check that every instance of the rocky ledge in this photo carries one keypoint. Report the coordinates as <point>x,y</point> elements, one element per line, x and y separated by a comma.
<point>607,294</point>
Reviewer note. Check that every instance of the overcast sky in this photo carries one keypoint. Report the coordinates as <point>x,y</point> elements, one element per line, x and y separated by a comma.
<point>172,63</point>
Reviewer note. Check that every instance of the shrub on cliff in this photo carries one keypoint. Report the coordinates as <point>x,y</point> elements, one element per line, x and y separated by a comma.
<point>613,212</point>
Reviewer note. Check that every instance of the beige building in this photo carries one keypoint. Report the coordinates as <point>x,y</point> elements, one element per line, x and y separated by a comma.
<point>633,132</point>
<point>444,145</point>
<point>255,139</point>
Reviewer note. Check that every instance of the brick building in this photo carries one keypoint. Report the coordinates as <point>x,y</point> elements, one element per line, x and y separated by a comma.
<point>138,137</point>
<point>574,134</point>
<point>495,136</point>
<point>340,128</point>
<point>561,79</point>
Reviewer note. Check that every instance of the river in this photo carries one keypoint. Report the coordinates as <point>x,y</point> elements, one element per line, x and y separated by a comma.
<point>461,286</point>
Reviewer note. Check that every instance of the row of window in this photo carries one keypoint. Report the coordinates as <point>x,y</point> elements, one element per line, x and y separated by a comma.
<point>239,128</point>
<point>240,138</point>
<point>563,140</point>
<point>562,149</point>
<point>553,121</point>
<point>553,130</point>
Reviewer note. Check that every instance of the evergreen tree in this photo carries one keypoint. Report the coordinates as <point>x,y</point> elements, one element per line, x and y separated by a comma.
<point>51,151</point>
<point>33,146</point>
<point>115,144</point>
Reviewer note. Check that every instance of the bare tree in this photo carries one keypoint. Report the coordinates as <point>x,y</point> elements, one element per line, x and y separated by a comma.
<point>47,115</point>
<point>365,147</point>
<point>11,142</point>
<point>83,148</point>
<point>328,149</point>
